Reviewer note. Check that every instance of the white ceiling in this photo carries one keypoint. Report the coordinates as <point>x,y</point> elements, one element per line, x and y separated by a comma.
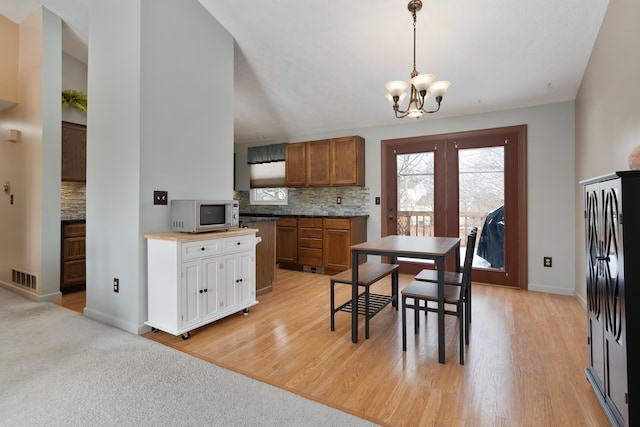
<point>304,67</point>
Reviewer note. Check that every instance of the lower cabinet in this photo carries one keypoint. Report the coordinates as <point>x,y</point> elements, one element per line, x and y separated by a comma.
<point>319,242</point>
<point>194,282</point>
<point>73,266</point>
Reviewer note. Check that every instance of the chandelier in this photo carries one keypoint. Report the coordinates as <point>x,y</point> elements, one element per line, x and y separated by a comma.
<point>422,85</point>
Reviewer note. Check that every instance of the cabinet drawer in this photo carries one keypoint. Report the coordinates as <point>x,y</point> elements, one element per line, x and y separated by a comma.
<point>310,243</point>
<point>337,224</point>
<point>310,223</point>
<point>287,222</point>
<point>202,248</point>
<point>74,230</point>
<point>74,272</point>
<point>309,256</point>
<point>309,233</point>
<point>235,244</point>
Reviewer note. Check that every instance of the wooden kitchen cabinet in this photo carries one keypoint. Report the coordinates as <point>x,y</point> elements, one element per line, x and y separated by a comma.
<point>339,234</point>
<point>348,166</point>
<point>310,242</point>
<point>325,163</point>
<point>295,165</point>
<point>265,254</point>
<point>73,264</point>
<point>74,152</point>
<point>287,240</point>
<point>318,161</point>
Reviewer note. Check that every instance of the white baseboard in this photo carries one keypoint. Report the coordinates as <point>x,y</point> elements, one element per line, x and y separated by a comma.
<point>110,320</point>
<point>551,290</point>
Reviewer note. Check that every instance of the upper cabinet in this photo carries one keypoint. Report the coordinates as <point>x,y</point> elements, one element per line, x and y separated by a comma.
<point>324,163</point>
<point>74,152</point>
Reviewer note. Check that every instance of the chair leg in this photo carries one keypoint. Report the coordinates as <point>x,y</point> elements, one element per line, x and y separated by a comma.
<point>416,312</point>
<point>468,303</point>
<point>404,323</point>
<point>333,313</point>
<point>467,320</point>
<point>461,319</point>
<point>394,288</point>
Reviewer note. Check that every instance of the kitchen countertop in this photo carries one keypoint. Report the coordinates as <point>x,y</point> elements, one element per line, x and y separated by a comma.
<point>185,237</point>
<point>257,218</point>
<point>267,217</point>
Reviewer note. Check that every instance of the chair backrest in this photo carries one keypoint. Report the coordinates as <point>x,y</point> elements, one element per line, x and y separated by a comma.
<point>468,258</point>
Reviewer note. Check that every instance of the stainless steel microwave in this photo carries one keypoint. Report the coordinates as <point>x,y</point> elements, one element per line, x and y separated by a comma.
<point>200,216</point>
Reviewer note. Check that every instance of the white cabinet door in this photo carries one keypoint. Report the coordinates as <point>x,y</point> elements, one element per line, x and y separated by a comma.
<point>228,282</point>
<point>211,301</point>
<point>244,286</point>
<point>189,294</point>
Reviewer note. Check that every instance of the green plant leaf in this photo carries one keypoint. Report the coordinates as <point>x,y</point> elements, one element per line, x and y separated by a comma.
<point>74,98</point>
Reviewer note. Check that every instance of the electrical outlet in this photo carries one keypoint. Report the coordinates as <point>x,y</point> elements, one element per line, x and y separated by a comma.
<point>339,200</point>
<point>160,197</point>
<point>377,200</point>
<point>547,261</point>
<point>116,284</point>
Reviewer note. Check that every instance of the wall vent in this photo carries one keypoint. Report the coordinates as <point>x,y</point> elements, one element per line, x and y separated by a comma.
<point>23,279</point>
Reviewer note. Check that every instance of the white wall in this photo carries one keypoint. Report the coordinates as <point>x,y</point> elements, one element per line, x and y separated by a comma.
<point>550,180</point>
<point>30,228</point>
<point>607,110</point>
<point>160,118</point>
<point>74,77</point>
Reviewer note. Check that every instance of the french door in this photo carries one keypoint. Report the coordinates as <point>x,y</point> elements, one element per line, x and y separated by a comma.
<point>444,185</point>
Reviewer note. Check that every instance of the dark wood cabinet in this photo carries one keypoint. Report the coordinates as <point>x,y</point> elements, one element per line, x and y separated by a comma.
<point>325,163</point>
<point>310,242</point>
<point>348,166</point>
<point>612,209</point>
<point>73,265</point>
<point>318,163</point>
<point>265,255</point>
<point>295,165</point>
<point>74,152</point>
<point>339,234</point>
<point>287,240</point>
<point>319,242</point>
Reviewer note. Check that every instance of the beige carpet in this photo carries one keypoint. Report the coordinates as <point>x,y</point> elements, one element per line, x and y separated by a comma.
<point>60,368</point>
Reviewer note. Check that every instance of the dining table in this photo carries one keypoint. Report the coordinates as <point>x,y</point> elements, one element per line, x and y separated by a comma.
<point>437,249</point>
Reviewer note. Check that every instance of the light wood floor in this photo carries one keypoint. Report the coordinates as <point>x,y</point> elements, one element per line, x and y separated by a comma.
<point>524,365</point>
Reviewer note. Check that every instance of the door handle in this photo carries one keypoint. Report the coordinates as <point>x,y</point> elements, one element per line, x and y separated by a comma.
<point>390,217</point>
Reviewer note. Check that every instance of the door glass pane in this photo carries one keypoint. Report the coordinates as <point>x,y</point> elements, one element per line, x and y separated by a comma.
<point>415,194</point>
<point>481,181</point>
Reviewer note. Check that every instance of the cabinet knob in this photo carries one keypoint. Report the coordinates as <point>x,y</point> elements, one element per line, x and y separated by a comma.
<point>240,280</point>
<point>200,291</point>
<point>202,249</point>
<point>206,290</point>
<point>238,243</point>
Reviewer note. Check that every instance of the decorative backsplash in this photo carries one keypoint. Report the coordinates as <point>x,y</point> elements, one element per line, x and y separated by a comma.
<point>72,200</point>
<point>319,201</point>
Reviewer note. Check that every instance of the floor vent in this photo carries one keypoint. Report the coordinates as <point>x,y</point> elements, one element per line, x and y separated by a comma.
<point>24,279</point>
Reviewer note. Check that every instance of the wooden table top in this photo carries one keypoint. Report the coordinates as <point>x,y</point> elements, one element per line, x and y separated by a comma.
<point>410,245</point>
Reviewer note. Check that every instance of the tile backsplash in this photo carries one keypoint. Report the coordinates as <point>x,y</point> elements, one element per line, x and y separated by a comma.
<point>73,197</point>
<point>319,201</point>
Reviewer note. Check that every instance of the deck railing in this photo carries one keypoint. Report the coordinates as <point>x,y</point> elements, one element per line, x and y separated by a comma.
<point>420,223</point>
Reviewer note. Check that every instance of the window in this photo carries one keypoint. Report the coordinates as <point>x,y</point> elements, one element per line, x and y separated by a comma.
<point>269,196</point>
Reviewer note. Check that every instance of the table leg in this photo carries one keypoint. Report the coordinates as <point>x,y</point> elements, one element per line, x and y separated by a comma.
<point>354,296</point>
<point>440,267</point>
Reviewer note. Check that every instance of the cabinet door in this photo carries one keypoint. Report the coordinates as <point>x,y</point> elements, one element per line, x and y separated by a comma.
<point>209,292</point>
<point>74,152</point>
<point>227,286</point>
<point>347,155</point>
<point>287,244</point>
<point>295,165</point>
<point>244,282</point>
<point>337,255</point>
<point>190,306</point>
<point>318,163</point>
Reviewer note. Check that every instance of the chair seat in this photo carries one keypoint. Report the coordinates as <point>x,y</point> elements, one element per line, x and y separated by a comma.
<point>450,277</point>
<point>429,291</point>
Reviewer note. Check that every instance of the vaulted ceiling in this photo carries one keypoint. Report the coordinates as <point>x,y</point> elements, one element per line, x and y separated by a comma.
<point>305,67</point>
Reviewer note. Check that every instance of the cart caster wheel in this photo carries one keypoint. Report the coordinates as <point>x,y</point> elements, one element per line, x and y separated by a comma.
<point>245,311</point>
<point>186,336</point>
<point>154,330</point>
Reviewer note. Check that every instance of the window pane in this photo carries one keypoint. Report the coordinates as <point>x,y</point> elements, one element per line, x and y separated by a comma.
<point>481,180</point>
<point>415,193</point>
<point>269,196</point>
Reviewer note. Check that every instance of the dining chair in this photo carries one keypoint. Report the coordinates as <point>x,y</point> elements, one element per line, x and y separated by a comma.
<point>454,294</point>
<point>452,277</point>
